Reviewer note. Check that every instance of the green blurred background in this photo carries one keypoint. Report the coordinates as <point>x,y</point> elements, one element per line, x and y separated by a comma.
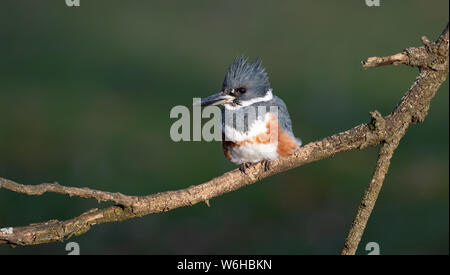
<point>85,96</point>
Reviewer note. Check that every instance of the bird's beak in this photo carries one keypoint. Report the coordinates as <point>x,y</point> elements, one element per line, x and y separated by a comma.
<point>216,99</point>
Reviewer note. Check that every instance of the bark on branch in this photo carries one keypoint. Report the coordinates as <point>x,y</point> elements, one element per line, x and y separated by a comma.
<point>370,197</point>
<point>432,59</point>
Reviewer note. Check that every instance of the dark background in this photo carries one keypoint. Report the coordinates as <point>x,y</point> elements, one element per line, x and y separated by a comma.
<point>85,96</point>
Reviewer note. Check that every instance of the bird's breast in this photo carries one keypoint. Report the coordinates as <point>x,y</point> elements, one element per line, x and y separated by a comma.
<point>264,140</point>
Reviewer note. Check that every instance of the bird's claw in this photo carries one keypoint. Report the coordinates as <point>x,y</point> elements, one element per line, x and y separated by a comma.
<point>244,166</point>
<point>266,164</point>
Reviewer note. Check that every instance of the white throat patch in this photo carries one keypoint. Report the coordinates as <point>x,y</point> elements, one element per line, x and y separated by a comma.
<point>267,97</point>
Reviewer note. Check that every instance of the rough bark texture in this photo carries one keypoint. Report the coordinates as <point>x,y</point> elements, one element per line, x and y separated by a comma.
<point>432,59</point>
<point>370,197</point>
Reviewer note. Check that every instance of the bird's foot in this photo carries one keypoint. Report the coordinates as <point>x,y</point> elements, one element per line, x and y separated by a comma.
<point>266,164</point>
<point>244,166</point>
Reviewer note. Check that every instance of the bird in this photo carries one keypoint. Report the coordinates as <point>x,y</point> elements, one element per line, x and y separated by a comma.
<point>256,126</point>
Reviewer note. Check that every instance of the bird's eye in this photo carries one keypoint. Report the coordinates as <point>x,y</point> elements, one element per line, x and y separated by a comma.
<point>242,90</point>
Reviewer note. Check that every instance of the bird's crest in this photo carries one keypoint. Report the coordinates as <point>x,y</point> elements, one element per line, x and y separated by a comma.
<point>243,72</point>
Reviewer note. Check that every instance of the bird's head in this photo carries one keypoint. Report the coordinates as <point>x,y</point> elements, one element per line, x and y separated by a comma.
<point>244,83</point>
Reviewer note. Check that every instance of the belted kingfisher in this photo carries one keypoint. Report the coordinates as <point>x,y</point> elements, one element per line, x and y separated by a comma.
<point>255,123</point>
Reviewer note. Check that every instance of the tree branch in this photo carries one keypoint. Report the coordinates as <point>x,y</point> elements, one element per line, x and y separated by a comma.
<point>433,61</point>
<point>396,59</point>
<point>370,197</point>
<point>70,191</point>
<point>427,62</point>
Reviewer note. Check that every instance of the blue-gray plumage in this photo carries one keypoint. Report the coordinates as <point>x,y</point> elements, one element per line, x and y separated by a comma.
<point>251,76</point>
<point>255,123</point>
